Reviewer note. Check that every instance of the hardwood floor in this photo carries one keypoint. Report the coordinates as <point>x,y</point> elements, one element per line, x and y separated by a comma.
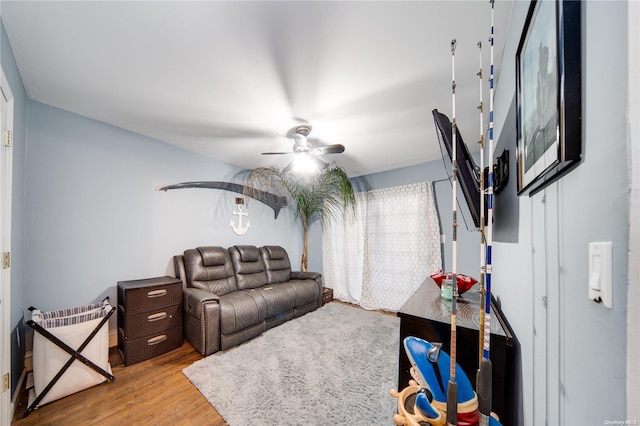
<point>153,392</point>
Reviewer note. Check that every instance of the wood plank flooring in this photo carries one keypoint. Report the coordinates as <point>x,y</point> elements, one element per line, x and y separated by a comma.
<point>153,392</point>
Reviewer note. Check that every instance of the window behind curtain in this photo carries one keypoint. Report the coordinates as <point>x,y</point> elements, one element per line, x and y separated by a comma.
<point>380,258</point>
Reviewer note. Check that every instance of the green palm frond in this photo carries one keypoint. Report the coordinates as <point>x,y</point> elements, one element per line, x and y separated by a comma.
<point>325,196</point>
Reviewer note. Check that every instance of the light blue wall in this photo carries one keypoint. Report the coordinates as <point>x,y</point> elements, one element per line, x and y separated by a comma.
<point>573,350</point>
<point>94,216</point>
<point>18,278</point>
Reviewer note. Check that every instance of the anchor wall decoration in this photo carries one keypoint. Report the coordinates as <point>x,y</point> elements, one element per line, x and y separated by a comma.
<point>239,229</point>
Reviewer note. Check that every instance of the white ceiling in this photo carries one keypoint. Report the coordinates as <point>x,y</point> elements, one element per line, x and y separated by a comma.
<point>229,79</point>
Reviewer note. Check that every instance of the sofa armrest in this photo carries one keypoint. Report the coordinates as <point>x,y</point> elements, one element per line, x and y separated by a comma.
<point>195,299</point>
<point>305,275</point>
<point>202,320</point>
<point>302,275</point>
<point>178,267</point>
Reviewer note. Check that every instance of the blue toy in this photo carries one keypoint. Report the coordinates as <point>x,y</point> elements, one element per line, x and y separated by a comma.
<point>425,399</point>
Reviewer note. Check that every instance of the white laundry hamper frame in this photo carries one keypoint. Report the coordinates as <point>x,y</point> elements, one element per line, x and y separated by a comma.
<point>70,351</point>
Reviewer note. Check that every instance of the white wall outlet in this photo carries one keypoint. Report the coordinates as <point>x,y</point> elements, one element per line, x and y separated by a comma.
<point>601,273</point>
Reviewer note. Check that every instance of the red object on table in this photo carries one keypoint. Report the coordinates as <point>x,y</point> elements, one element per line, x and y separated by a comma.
<point>465,282</point>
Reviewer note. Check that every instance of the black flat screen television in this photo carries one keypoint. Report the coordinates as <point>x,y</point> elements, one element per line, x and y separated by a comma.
<point>468,172</point>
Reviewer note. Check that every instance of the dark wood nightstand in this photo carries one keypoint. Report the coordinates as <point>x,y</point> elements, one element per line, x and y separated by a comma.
<point>149,318</point>
<point>427,316</point>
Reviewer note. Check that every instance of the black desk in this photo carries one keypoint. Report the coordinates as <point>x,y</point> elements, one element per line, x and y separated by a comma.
<point>427,316</point>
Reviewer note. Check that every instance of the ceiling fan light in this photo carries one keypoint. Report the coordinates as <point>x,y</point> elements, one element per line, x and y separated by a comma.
<point>304,164</point>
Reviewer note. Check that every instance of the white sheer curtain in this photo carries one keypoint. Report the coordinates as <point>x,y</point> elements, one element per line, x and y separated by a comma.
<point>379,259</point>
<point>343,245</point>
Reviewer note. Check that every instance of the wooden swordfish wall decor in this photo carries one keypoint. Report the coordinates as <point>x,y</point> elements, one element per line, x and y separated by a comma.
<point>242,226</point>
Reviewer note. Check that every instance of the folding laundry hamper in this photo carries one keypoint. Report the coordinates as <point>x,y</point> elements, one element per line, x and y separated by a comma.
<point>70,351</point>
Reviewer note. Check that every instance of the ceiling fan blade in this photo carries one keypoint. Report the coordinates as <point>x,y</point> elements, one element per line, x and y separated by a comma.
<point>330,149</point>
<point>276,153</point>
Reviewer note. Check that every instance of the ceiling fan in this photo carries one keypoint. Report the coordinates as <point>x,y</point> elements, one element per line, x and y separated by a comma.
<point>306,155</point>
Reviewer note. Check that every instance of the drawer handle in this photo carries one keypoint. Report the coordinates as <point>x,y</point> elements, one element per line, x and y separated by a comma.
<point>156,293</point>
<point>157,317</point>
<point>156,340</point>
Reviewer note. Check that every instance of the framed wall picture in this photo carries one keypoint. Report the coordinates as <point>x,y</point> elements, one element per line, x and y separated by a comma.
<point>548,94</point>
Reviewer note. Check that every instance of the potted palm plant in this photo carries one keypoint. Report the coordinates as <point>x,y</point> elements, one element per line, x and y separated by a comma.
<point>321,196</point>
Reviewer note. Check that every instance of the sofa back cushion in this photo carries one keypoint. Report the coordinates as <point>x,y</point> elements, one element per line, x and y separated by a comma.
<point>276,262</point>
<point>210,268</point>
<point>248,267</point>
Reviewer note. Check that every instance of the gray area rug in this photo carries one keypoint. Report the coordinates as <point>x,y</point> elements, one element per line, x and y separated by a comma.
<point>333,366</point>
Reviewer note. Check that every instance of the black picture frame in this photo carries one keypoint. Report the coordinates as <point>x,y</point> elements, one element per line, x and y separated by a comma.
<point>548,94</point>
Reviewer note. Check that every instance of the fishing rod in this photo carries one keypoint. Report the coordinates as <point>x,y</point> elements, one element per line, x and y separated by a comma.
<point>452,389</point>
<point>484,372</point>
<point>482,217</point>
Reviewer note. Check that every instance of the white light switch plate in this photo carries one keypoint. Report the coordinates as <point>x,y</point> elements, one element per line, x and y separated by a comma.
<point>601,273</point>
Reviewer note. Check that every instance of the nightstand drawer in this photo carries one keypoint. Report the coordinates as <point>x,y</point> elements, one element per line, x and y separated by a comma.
<point>150,294</point>
<point>149,323</point>
<point>134,351</point>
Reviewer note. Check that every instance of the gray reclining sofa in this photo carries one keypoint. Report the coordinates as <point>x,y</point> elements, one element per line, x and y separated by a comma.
<point>232,295</point>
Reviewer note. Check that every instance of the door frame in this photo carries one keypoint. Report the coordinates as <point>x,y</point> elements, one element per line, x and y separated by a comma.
<point>633,315</point>
<point>6,174</point>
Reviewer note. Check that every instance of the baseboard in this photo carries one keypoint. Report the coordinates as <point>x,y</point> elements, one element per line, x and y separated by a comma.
<point>113,338</point>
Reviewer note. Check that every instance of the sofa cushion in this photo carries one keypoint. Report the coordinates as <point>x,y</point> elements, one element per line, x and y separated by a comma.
<point>213,256</point>
<point>248,253</point>
<point>307,291</point>
<point>241,309</point>
<point>248,267</point>
<point>276,262</point>
<point>279,298</point>
<point>210,268</point>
